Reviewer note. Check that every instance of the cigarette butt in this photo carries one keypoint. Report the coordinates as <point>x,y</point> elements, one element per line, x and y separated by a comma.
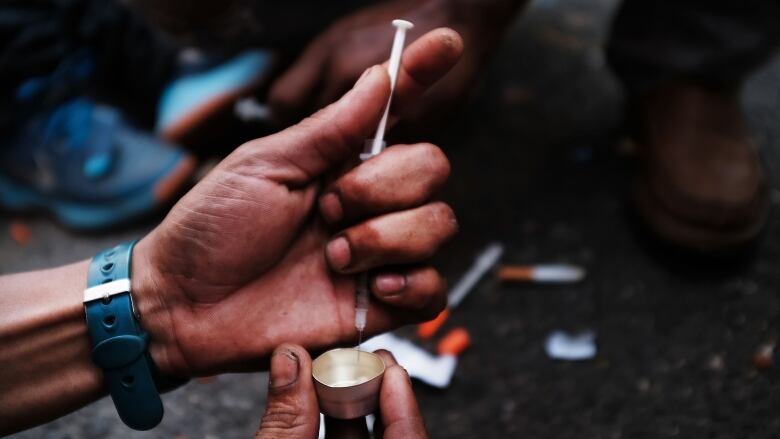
<point>427,329</point>
<point>455,342</point>
<point>515,273</point>
<point>551,273</point>
<point>20,232</point>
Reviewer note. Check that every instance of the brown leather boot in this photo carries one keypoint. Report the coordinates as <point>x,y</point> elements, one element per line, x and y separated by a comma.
<point>700,185</point>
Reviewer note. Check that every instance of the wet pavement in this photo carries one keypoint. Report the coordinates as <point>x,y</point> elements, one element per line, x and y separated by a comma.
<point>539,164</point>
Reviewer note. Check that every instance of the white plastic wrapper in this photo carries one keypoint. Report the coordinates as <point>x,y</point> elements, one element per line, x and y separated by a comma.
<point>433,370</point>
<point>577,347</point>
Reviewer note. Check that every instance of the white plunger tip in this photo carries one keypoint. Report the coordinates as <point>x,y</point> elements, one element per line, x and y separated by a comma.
<point>403,24</point>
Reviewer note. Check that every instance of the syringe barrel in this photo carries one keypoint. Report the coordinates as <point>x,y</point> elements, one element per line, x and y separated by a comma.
<point>361,301</point>
<point>360,318</point>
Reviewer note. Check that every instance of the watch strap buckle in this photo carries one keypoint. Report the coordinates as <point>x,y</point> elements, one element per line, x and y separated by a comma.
<point>106,290</point>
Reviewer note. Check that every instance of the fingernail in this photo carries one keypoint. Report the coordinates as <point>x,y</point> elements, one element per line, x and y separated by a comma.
<point>330,206</point>
<point>338,253</point>
<point>284,369</point>
<point>406,372</point>
<point>390,283</point>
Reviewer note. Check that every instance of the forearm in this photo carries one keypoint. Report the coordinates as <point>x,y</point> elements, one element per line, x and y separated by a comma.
<point>44,347</point>
<point>46,369</point>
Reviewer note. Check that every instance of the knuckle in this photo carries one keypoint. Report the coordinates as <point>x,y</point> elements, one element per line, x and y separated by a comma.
<point>354,189</point>
<point>282,416</point>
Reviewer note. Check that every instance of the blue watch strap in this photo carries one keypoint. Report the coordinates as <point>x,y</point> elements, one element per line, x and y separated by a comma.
<point>120,346</point>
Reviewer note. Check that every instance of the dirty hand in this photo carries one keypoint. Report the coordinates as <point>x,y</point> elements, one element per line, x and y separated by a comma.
<point>292,412</point>
<point>336,57</point>
<point>265,249</point>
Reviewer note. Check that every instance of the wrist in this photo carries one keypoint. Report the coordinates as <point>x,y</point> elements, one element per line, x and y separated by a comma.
<point>153,301</point>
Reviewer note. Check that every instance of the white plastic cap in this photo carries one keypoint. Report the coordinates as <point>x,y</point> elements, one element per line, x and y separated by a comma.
<point>403,24</point>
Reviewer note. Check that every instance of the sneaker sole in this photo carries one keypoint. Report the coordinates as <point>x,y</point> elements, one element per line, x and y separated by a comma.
<point>179,132</point>
<point>96,216</point>
<point>690,236</point>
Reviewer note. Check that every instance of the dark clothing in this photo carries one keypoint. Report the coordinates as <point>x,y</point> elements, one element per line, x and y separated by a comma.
<point>718,41</point>
<point>85,45</point>
<point>35,36</point>
<point>715,41</point>
<point>134,49</point>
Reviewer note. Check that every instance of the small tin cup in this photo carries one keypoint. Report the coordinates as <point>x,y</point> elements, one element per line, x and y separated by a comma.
<point>345,388</point>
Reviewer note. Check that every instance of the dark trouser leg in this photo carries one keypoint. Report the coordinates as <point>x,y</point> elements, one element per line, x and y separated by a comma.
<point>700,184</point>
<point>38,37</point>
<point>713,41</point>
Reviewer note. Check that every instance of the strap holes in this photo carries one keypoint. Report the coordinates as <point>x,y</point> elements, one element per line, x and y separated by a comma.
<point>109,254</point>
<point>109,320</point>
<point>107,280</point>
<point>107,267</point>
<point>128,380</point>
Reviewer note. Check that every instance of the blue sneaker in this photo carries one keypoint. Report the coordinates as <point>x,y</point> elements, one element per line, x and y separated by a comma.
<point>83,163</point>
<point>194,98</point>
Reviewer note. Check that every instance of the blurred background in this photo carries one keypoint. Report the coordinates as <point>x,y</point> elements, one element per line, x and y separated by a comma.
<point>541,164</point>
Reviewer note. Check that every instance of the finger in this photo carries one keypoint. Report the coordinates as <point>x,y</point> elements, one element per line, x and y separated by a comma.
<point>405,237</point>
<point>389,360</point>
<point>346,428</point>
<point>424,62</point>
<point>303,152</point>
<point>295,88</point>
<point>399,413</point>
<point>387,357</point>
<point>420,290</point>
<point>402,177</point>
<point>422,299</point>
<point>291,410</point>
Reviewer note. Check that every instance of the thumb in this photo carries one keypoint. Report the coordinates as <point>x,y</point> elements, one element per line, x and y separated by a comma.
<point>400,416</point>
<point>329,137</point>
<point>291,410</point>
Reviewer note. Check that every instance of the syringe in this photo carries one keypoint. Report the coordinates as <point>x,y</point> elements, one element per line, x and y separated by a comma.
<point>377,145</point>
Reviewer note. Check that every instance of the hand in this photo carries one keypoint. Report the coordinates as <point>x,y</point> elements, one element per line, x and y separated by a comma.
<point>292,410</point>
<point>336,57</point>
<point>248,258</point>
